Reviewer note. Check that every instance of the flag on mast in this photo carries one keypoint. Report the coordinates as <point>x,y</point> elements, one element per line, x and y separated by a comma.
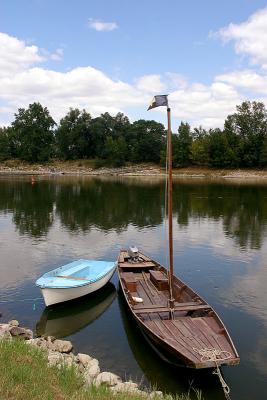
<point>157,101</point>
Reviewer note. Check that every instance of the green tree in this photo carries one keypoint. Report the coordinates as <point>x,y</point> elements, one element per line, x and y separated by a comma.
<point>74,136</point>
<point>182,146</point>
<point>115,151</point>
<point>217,148</point>
<point>33,133</point>
<point>145,141</point>
<point>250,124</point>
<point>199,148</point>
<point>106,126</point>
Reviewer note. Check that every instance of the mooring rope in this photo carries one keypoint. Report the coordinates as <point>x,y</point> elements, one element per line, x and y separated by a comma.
<point>211,354</point>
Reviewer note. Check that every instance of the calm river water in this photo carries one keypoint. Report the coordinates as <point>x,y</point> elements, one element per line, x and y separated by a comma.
<point>220,249</point>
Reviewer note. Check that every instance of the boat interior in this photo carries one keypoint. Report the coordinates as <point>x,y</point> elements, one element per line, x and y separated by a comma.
<point>193,324</point>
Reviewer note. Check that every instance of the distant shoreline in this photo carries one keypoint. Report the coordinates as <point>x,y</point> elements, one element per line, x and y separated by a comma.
<point>86,167</point>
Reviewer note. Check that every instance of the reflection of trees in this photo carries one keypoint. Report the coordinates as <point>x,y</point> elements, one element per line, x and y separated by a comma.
<point>109,205</point>
<point>32,205</point>
<point>114,204</point>
<point>242,209</point>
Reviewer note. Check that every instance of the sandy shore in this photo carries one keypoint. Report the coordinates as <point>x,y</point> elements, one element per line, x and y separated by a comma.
<point>85,167</point>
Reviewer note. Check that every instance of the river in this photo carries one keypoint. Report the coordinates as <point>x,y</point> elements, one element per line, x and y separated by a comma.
<point>220,250</point>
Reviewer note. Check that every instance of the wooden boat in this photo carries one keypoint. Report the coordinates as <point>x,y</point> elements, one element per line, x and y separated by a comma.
<point>181,335</point>
<point>61,321</point>
<point>74,280</point>
<point>182,327</point>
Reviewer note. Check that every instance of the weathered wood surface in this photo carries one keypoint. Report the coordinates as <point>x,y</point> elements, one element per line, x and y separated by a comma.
<point>195,325</point>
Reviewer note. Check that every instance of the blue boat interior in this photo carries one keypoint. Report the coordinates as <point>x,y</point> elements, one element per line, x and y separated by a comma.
<point>77,273</point>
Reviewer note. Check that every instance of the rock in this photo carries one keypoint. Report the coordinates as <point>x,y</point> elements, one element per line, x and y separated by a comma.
<point>21,332</point>
<point>107,378</point>
<point>155,394</point>
<point>33,342</point>
<point>88,380</point>
<point>69,360</point>
<point>13,322</point>
<point>4,331</point>
<point>62,346</point>
<point>84,359</point>
<point>55,358</point>
<point>92,368</point>
<point>129,387</point>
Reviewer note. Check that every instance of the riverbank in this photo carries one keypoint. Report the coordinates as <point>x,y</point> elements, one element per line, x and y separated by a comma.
<point>46,368</point>
<point>89,167</point>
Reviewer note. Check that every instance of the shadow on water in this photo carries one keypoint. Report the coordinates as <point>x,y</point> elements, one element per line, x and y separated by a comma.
<point>160,374</point>
<point>68,318</point>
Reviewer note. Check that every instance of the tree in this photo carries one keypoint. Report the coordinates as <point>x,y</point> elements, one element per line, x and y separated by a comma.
<point>74,136</point>
<point>108,126</point>
<point>115,151</point>
<point>145,141</point>
<point>217,147</point>
<point>250,124</point>
<point>199,148</point>
<point>33,133</point>
<point>182,151</point>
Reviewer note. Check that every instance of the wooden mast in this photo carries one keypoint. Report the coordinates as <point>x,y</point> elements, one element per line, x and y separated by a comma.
<point>169,150</point>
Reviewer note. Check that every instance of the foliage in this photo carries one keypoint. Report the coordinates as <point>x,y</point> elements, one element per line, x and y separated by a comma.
<point>113,140</point>
<point>74,137</point>
<point>182,146</point>
<point>145,141</point>
<point>32,133</point>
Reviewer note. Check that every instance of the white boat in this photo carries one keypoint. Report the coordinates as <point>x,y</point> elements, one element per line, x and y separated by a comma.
<point>74,280</point>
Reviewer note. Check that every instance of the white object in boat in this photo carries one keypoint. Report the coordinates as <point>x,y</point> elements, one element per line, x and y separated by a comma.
<point>137,299</point>
<point>75,280</point>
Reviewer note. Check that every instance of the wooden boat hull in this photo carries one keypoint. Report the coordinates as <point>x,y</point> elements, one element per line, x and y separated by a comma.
<point>60,295</point>
<point>195,326</point>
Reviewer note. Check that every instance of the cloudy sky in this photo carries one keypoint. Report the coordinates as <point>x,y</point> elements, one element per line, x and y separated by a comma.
<point>115,55</point>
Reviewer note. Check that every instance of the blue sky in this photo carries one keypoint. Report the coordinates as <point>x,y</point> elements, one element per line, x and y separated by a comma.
<point>115,55</point>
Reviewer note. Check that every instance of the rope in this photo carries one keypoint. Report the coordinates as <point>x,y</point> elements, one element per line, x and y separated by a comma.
<point>211,354</point>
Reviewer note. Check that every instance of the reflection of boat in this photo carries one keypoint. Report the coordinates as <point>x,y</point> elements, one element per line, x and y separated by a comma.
<point>74,280</point>
<point>181,326</point>
<point>61,321</point>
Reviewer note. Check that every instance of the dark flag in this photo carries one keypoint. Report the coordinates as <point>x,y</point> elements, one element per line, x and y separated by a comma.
<point>157,101</point>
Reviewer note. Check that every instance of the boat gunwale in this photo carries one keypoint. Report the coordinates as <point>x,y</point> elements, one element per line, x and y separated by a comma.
<point>88,281</point>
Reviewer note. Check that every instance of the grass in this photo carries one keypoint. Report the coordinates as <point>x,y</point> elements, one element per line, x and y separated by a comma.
<point>24,374</point>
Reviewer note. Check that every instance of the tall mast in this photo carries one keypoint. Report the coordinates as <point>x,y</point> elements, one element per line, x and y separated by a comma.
<point>169,155</point>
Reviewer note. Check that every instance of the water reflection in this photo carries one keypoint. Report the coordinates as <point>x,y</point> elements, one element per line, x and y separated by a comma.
<point>108,205</point>
<point>66,319</point>
<point>31,205</point>
<point>81,204</point>
<point>219,249</point>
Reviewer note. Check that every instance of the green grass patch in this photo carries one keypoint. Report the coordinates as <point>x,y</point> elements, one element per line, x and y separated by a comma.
<point>24,374</point>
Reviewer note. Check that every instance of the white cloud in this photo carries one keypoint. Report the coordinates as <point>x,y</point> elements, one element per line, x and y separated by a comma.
<point>151,84</point>
<point>23,80</point>
<point>246,79</point>
<point>101,25</point>
<point>16,56</point>
<point>250,37</point>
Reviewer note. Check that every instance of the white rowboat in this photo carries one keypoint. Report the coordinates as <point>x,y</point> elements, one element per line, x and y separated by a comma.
<point>74,280</point>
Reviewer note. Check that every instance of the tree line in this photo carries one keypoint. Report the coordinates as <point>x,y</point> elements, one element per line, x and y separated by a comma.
<point>34,136</point>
